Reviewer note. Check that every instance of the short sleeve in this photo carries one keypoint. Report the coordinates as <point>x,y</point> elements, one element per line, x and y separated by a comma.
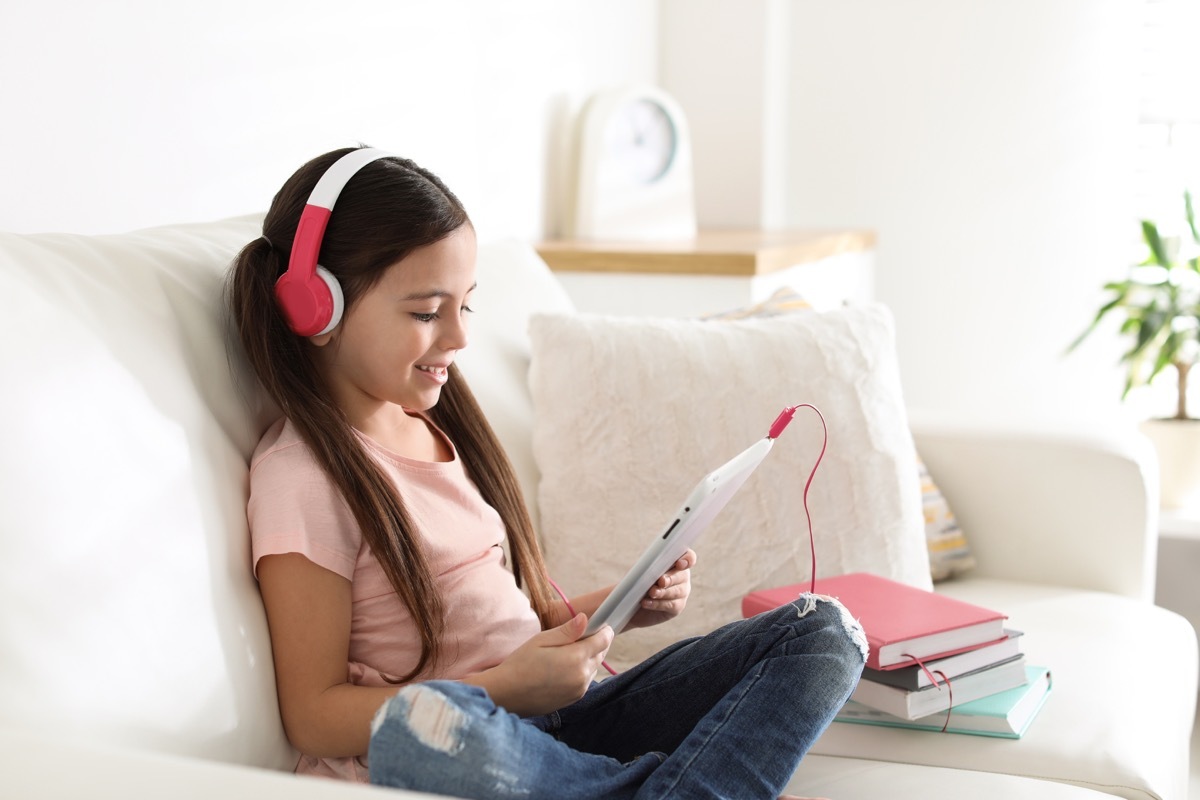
<point>295,508</point>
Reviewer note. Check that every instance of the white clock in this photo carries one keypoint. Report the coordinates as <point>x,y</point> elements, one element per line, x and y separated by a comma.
<point>633,168</point>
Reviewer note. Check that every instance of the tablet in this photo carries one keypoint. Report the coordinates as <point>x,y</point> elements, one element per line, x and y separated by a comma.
<point>695,513</point>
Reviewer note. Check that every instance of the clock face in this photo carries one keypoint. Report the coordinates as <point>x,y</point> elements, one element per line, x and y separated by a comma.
<point>641,138</point>
<point>634,167</point>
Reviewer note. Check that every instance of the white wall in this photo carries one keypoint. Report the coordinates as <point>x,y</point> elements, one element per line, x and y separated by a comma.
<point>123,114</point>
<point>987,143</point>
<point>726,62</point>
<point>983,141</point>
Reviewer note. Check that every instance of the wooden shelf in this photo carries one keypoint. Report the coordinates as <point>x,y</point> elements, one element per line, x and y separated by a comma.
<point>732,252</point>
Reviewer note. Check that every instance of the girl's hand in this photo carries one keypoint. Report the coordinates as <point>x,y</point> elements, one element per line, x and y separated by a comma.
<point>551,670</point>
<point>668,595</point>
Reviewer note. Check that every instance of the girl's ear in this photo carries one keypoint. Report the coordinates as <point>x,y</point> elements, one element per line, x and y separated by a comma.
<point>322,339</point>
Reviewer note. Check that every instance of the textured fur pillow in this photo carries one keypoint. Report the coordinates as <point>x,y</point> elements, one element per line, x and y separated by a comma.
<point>949,553</point>
<point>631,412</point>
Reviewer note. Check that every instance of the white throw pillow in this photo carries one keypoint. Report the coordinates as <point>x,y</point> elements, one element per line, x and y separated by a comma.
<point>631,412</point>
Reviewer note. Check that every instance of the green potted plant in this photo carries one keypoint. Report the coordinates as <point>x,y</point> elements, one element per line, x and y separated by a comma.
<point>1158,305</point>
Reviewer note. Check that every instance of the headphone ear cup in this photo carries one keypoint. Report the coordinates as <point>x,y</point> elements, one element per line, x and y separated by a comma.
<point>335,293</point>
<point>308,294</point>
<point>313,306</point>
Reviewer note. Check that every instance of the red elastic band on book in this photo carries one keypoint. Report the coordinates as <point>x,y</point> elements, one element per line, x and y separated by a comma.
<point>949,687</point>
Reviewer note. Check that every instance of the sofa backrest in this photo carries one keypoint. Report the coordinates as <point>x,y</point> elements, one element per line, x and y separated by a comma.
<point>128,611</point>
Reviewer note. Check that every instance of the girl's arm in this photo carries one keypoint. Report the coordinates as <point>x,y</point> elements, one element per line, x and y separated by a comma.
<point>554,668</point>
<point>308,611</point>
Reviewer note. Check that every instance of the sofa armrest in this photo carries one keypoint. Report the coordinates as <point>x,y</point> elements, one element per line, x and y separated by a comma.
<point>1063,508</point>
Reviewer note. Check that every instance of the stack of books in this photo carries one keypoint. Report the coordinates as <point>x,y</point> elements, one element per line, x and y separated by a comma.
<point>929,654</point>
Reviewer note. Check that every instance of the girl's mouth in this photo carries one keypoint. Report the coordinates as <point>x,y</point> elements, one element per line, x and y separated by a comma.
<point>439,374</point>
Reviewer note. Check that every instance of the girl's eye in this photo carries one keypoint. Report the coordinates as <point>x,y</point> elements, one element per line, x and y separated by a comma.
<point>430,317</point>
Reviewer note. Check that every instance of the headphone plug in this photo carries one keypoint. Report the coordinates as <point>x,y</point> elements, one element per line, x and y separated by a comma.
<point>781,422</point>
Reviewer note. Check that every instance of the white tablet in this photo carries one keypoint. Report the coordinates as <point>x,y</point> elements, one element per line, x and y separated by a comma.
<point>710,495</point>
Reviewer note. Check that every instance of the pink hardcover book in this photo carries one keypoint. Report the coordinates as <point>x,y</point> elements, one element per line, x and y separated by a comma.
<point>902,623</point>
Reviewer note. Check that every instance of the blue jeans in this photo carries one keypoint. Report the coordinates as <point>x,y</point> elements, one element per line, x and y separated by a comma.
<point>727,715</point>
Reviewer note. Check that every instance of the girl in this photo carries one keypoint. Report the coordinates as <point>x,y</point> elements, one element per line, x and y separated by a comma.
<point>405,650</point>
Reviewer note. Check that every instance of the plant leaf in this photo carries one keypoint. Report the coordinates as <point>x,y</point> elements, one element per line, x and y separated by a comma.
<point>1151,324</point>
<point>1159,252</point>
<point>1104,309</point>
<point>1190,212</point>
<point>1166,354</point>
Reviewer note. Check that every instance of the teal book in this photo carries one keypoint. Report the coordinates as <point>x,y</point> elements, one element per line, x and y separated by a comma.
<point>1007,714</point>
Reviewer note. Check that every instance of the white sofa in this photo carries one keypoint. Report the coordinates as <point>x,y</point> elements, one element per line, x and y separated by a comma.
<point>136,661</point>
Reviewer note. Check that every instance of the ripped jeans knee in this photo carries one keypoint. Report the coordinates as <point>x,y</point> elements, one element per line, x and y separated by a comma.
<point>450,738</point>
<point>836,615</point>
<point>426,714</point>
<point>424,727</point>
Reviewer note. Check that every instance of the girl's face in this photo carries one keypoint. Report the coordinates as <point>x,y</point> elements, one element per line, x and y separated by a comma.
<point>396,342</point>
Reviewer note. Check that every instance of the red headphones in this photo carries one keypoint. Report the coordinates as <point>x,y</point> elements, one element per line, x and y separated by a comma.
<point>311,298</point>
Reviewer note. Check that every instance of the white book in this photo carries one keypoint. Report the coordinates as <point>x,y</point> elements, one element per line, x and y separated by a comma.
<point>932,699</point>
<point>1006,714</point>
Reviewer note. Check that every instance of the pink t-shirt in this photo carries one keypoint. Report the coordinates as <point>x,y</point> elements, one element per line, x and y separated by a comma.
<point>294,508</point>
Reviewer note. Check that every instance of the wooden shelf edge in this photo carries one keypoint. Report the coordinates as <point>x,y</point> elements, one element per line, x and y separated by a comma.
<point>733,253</point>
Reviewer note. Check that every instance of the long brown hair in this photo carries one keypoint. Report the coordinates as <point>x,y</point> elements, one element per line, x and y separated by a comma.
<point>387,210</point>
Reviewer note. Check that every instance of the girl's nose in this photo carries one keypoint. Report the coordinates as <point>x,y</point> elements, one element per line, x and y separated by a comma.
<point>454,333</point>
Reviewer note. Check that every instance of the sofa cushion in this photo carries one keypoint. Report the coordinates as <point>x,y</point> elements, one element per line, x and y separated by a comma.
<point>126,436</point>
<point>631,412</point>
<point>127,605</point>
<point>846,778</point>
<point>127,610</point>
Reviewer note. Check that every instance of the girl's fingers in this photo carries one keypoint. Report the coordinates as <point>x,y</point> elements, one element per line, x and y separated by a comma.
<point>675,591</point>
